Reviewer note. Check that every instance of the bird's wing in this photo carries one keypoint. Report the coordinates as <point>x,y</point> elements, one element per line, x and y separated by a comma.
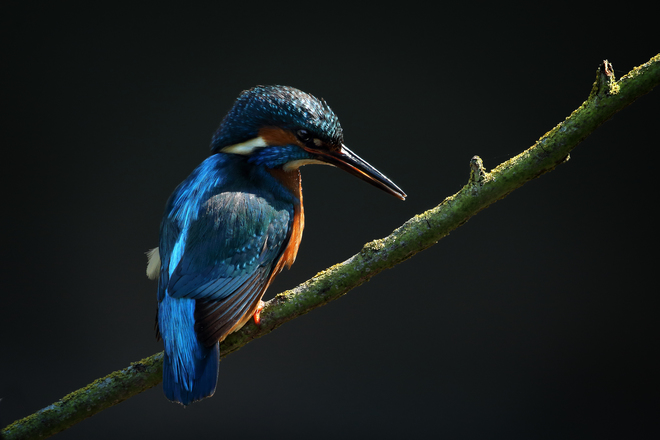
<point>226,261</point>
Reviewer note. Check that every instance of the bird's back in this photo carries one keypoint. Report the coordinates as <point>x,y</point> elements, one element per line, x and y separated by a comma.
<point>224,235</point>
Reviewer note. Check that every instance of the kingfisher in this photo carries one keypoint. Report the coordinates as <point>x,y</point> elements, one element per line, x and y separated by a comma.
<point>235,223</point>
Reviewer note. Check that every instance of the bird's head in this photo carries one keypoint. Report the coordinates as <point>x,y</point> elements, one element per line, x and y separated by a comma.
<point>280,126</point>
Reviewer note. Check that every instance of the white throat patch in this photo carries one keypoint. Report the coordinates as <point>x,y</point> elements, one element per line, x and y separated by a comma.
<point>295,164</point>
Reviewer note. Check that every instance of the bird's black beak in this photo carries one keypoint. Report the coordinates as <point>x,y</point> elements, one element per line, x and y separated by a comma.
<point>348,161</point>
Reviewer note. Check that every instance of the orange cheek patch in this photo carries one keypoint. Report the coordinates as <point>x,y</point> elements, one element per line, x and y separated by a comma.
<point>278,136</point>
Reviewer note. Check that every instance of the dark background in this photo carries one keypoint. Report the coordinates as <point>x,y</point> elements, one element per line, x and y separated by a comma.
<point>536,319</point>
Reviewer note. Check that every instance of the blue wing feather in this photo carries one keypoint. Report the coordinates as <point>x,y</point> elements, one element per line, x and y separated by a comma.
<point>221,236</point>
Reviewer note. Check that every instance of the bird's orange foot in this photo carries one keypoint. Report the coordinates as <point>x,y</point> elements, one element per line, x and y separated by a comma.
<point>257,313</point>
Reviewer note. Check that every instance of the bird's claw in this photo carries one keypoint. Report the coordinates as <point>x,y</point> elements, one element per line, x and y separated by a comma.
<point>257,313</point>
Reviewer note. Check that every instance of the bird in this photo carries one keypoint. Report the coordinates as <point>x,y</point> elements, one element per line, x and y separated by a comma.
<point>235,223</point>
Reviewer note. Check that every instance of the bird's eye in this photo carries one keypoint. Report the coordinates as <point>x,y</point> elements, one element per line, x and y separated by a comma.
<point>304,135</point>
<point>307,138</point>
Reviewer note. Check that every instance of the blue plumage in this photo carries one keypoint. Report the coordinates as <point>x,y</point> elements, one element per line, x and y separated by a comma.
<point>216,241</point>
<point>279,106</point>
<point>235,223</point>
<point>190,370</point>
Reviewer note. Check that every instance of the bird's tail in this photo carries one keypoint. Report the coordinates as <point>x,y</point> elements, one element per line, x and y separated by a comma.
<point>186,388</point>
<point>190,369</point>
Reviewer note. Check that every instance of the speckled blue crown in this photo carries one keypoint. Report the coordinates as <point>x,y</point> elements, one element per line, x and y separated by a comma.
<point>276,106</point>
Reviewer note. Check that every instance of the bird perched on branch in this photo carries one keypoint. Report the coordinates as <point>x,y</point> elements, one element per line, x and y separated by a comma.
<point>235,223</point>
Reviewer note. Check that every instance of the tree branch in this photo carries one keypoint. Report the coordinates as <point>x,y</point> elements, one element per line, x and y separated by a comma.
<point>607,97</point>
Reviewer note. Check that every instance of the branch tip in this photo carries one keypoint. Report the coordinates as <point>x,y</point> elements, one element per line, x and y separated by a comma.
<point>605,84</point>
<point>477,171</point>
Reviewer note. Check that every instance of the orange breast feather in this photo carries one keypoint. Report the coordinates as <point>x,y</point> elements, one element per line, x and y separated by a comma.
<point>291,180</point>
